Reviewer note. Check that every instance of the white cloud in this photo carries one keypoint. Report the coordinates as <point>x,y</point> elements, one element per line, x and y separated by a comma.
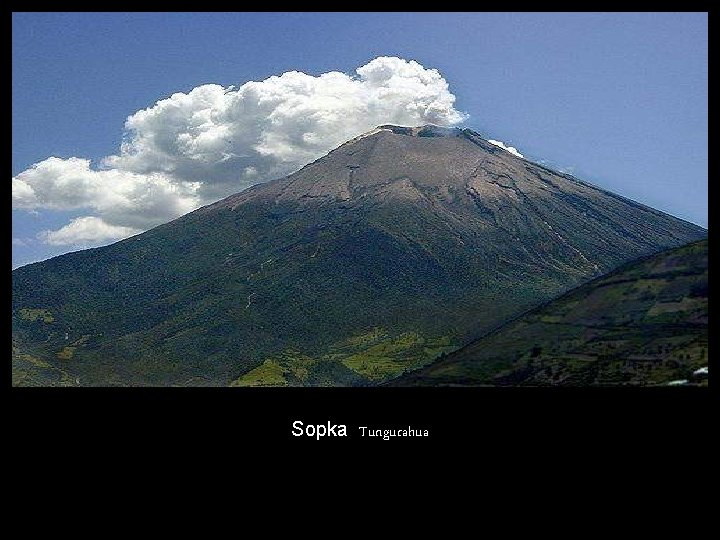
<point>232,138</point>
<point>197,147</point>
<point>511,149</point>
<point>19,242</point>
<point>86,230</point>
<point>122,198</point>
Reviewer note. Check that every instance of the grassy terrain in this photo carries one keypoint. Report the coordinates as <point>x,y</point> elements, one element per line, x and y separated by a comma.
<point>28,314</point>
<point>645,324</point>
<point>361,359</point>
<point>393,356</point>
<point>29,370</point>
<point>269,373</point>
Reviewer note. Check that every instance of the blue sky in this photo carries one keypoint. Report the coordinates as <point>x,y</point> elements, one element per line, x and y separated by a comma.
<point>616,99</point>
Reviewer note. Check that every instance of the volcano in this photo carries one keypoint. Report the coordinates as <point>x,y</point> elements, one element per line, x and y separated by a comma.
<point>399,246</point>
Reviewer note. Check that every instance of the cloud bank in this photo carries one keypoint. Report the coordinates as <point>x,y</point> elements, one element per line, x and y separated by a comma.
<point>511,149</point>
<point>195,148</point>
<point>86,230</point>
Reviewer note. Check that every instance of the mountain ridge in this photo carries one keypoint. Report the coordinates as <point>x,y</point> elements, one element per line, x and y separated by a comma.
<point>627,323</point>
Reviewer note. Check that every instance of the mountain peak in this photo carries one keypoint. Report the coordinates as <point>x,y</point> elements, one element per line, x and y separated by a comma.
<point>427,130</point>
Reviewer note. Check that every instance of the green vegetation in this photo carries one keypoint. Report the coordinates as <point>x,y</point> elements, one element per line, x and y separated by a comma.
<point>43,315</point>
<point>645,324</point>
<point>396,355</point>
<point>34,361</point>
<point>369,357</point>
<point>29,370</point>
<point>360,340</point>
<point>66,353</point>
<point>269,373</point>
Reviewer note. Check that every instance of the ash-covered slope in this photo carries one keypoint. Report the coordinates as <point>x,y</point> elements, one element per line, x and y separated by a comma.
<point>397,246</point>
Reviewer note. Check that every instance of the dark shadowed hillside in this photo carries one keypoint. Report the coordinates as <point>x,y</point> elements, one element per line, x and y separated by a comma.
<point>645,324</point>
